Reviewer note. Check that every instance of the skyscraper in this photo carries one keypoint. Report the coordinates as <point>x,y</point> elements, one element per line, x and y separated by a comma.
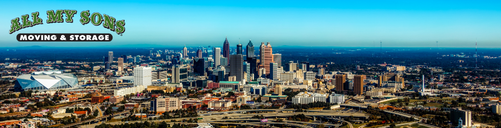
<point>142,76</point>
<point>199,66</point>
<point>110,57</point>
<point>340,82</point>
<point>277,58</point>
<point>239,48</point>
<point>185,52</point>
<point>175,74</point>
<point>274,71</point>
<point>463,115</point>
<point>120,64</point>
<point>261,52</point>
<point>221,73</point>
<point>217,56</point>
<point>253,66</point>
<point>199,53</point>
<point>106,63</point>
<point>247,70</point>
<point>226,49</point>
<point>236,66</point>
<point>268,58</point>
<point>250,50</point>
<point>358,84</point>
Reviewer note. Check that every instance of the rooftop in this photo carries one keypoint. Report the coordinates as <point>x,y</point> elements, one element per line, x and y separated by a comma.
<point>229,82</point>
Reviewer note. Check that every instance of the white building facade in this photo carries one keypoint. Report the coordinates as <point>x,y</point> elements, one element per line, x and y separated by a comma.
<point>142,76</point>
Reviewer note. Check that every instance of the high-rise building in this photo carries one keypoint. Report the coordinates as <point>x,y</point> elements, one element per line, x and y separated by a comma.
<point>137,59</point>
<point>110,57</point>
<point>280,70</point>
<point>199,66</point>
<point>278,90</point>
<point>358,84</point>
<point>250,50</point>
<point>247,71</point>
<point>262,72</point>
<point>253,67</point>
<point>175,74</point>
<point>274,71</point>
<point>107,63</point>
<point>277,58</point>
<point>142,76</point>
<point>309,75</point>
<point>496,109</point>
<point>226,49</point>
<point>287,77</point>
<point>321,71</point>
<point>120,62</point>
<point>463,115</point>
<point>268,58</point>
<point>380,81</point>
<point>236,66</point>
<point>185,52</point>
<point>261,52</point>
<point>340,82</point>
<point>305,66</point>
<point>159,75</point>
<point>199,53</point>
<point>217,56</point>
<point>239,48</point>
<point>223,61</point>
<point>221,73</point>
<point>291,66</point>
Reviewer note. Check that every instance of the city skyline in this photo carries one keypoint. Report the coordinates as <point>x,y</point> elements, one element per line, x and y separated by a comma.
<point>336,24</point>
<point>235,64</point>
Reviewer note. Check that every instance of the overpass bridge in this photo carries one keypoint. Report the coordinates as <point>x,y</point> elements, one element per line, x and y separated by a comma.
<point>95,119</point>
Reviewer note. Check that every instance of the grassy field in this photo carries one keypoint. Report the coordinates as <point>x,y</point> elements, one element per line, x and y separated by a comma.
<point>433,105</point>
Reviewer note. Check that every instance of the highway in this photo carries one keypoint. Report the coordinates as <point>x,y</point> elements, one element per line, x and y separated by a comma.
<point>311,113</point>
<point>270,119</point>
<point>245,115</point>
<point>342,120</point>
<point>253,122</point>
<point>95,119</point>
<point>404,114</point>
<point>235,117</point>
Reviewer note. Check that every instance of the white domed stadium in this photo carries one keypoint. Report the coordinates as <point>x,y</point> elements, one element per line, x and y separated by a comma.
<point>46,80</point>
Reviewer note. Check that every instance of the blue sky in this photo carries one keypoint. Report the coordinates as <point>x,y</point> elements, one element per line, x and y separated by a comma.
<point>283,23</point>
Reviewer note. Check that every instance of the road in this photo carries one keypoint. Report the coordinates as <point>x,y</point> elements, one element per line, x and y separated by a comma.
<point>312,113</point>
<point>271,119</point>
<point>95,119</point>
<point>256,123</point>
<point>342,120</point>
<point>402,124</point>
<point>98,109</point>
<point>217,119</point>
<point>403,114</point>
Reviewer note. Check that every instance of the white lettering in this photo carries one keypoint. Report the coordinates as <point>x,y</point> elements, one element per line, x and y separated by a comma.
<point>30,37</point>
<point>23,37</point>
